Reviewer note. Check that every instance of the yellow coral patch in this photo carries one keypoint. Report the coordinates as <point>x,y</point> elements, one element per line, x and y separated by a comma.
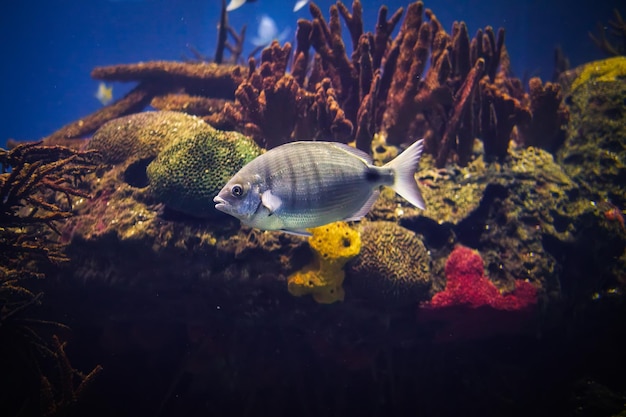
<point>602,71</point>
<point>333,245</point>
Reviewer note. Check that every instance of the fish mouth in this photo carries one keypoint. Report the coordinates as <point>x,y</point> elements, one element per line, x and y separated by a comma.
<point>221,204</point>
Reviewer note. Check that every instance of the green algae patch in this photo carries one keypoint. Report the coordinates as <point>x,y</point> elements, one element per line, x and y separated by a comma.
<point>189,173</point>
<point>607,70</point>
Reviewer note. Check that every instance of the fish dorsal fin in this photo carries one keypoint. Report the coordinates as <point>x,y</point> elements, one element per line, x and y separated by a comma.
<point>365,209</point>
<point>270,201</point>
<point>354,151</point>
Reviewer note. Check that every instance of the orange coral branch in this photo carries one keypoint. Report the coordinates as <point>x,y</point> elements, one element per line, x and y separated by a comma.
<point>136,100</point>
<point>461,105</point>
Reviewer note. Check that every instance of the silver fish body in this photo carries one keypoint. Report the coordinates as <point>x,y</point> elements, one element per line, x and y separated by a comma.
<point>307,184</point>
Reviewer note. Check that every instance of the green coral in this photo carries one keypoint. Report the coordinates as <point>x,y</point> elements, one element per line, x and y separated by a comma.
<point>607,70</point>
<point>393,267</point>
<point>189,172</point>
<point>142,135</point>
<point>594,153</point>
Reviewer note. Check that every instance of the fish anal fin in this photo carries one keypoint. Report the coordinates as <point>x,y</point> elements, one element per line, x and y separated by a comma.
<point>297,232</point>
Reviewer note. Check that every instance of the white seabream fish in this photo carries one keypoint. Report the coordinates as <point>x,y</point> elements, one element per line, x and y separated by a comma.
<point>235,4</point>
<point>300,4</point>
<point>307,184</point>
<point>268,32</point>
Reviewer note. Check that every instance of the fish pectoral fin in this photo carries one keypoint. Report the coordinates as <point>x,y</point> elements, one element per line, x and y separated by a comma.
<point>365,208</point>
<point>297,232</point>
<point>270,201</point>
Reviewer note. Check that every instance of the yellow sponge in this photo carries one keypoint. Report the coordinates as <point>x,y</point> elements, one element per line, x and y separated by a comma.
<point>333,245</point>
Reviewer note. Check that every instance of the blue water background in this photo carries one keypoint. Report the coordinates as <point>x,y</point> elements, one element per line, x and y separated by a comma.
<point>49,47</point>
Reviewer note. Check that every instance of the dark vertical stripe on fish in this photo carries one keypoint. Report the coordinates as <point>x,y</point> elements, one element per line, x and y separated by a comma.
<point>317,177</point>
<point>267,174</point>
<point>293,183</point>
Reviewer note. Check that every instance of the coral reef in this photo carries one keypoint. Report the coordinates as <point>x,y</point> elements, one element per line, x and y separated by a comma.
<point>393,267</point>
<point>333,245</point>
<point>205,297</point>
<point>188,173</point>
<point>384,87</point>
<point>594,151</point>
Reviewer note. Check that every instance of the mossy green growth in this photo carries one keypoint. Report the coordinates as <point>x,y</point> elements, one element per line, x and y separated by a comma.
<point>606,70</point>
<point>142,135</point>
<point>189,172</point>
<point>594,153</point>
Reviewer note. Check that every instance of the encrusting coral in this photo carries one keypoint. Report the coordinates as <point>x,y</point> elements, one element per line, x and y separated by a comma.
<point>393,267</point>
<point>467,286</point>
<point>471,306</point>
<point>333,245</point>
<point>142,135</point>
<point>188,173</point>
<point>594,151</point>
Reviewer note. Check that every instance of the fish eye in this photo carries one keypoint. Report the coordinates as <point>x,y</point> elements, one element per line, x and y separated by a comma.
<point>236,190</point>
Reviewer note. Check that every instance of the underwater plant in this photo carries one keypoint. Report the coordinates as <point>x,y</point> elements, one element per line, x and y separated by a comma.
<point>615,43</point>
<point>37,184</point>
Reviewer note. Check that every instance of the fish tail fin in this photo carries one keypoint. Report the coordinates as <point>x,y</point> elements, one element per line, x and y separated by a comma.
<point>404,167</point>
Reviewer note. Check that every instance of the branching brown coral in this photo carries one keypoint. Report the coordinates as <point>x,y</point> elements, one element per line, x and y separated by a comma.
<point>270,100</point>
<point>617,30</point>
<point>448,88</point>
<point>499,113</point>
<point>441,105</point>
<point>212,79</point>
<point>223,44</point>
<point>194,105</point>
<point>136,100</point>
<point>461,107</point>
<point>157,79</point>
<point>35,170</point>
<point>71,384</point>
<point>545,128</point>
<point>32,181</point>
